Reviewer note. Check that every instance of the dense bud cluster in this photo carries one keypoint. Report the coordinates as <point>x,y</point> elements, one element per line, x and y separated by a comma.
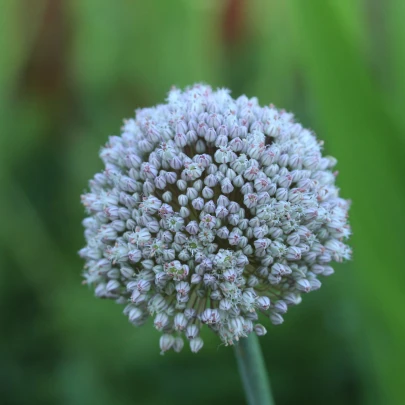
<point>210,211</point>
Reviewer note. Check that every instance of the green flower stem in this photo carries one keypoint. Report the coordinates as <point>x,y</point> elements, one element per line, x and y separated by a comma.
<point>253,372</point>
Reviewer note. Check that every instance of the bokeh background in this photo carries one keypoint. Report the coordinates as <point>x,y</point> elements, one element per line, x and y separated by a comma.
<point>70,71</point>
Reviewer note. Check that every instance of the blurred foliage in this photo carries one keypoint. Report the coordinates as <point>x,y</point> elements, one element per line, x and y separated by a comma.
<point>71,70</point>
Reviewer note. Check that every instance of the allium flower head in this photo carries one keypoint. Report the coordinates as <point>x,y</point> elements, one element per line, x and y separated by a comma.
<point>210,211</point>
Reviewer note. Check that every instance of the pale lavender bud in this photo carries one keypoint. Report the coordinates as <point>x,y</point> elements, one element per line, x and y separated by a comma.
<point>143,285</point>
<point>211,180</point>
<point>246,188</point>
<point>280,306</point>
<point>178,344</point>
<point>135,314</point>
<point>207,193</point>
<point>183,199</point>
<point>282,194</point>
<point>181,184</point>
<point>315,284</point>
<point>263,198</point>
<point>236,326</point>
<point>276,318</point>
<point>225,304</point>
<point>260,330</point>
<point>113,274</point>
<point>200,146</point>
<point>210,316</point>
<point>292,299</point>
<point>226,186</point>
<point>183,288</point>
<point>161,321</point>
<point>209,280</point>
<point>216,295</point>
<point>157,304</point>
<point>169,254</point>
<point>192,332</point>
<point>230,275</point>
<point>210,135</point>
<point>126,272</point>
<point>167,196</point>
<point>221,140</point>
<point>180,322</point>
<point>238,181</point>
<point>198,203</point>
<point>184,212</point>
<point>327,271</point>
<point>196,344</point>
<point>135,255</point>
<point>223,232</point>
<point>166,343</point>
<point>195,279</point>
<point>303,285</point>
<point>209,207</point>
<point>247,325</point>
<point>113,285</point>
<point>293,253</point>
<point>263,302</point>
<point>138,297</point>
<point>192,193</point>
<point>176,163</point>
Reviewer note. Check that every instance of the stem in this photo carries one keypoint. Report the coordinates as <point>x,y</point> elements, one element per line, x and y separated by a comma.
<point>253,371</point>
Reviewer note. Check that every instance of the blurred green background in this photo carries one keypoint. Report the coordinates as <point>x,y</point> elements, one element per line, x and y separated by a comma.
<point>70,71</point>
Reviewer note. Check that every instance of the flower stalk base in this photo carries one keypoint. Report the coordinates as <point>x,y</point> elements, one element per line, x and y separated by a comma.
<point>253,371</point>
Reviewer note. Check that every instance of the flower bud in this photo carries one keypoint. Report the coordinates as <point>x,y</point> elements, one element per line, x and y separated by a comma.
<point>196,344</point>
<point>260,330</point>
<point>166,343</point>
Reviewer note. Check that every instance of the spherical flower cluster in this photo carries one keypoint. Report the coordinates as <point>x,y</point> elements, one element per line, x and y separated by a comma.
<point>211,211</point>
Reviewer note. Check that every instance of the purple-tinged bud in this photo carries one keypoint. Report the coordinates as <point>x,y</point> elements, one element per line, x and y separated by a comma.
<point>192,332</point>
<point>143,285</point>
<point>180,322</point>
<point>210,316</point>
<point>183,288</point>
<point>293,253</point>
<point>192,228</point>
<point>198,203</point>
<point>263,302</point>
<point>161,321</point>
